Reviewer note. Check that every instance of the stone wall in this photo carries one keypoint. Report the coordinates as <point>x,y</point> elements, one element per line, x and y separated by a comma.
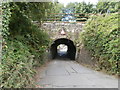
<point>84,57</point>
<point>72,30</point>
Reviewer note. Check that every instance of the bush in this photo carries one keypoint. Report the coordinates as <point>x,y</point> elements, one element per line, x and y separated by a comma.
<point>23,47</point>
<point>17,65</point>
<point>101,37</point>
<point>21,56</point>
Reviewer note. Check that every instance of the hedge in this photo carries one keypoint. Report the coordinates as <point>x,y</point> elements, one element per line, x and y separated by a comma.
<point>24,45</point>
<point>101,37</point>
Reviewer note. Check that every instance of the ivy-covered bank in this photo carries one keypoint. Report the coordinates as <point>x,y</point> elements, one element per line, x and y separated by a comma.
<point>101,37</point>
<point>23,43</point>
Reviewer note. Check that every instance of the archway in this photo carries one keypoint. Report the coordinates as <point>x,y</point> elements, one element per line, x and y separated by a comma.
<point>71,49</point>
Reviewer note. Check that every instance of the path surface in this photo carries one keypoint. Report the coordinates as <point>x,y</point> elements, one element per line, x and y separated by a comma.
<point>70,74</point>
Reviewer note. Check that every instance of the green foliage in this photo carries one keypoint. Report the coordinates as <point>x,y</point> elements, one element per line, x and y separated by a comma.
<point>5,19</point>
<point>71,5</point>
<point>57,8</point>
<point>17,65</point>
<point>102,38</point>
<point>85,8</point>
<point>25,43</point>
<point>38,11</point>
<point>103,7</point>
<point>19,23</point>
<point>82,7</point>
<point>53,15</point>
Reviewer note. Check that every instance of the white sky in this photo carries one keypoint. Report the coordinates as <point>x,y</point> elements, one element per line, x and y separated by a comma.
<point>65,2</point>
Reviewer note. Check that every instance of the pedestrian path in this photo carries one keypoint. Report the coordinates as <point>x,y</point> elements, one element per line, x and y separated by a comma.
<point>70,74</point>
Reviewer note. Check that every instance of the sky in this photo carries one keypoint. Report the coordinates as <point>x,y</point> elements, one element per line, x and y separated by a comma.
<point>65,2</point>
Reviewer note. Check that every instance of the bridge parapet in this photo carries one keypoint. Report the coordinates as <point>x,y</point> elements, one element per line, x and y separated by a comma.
<point>63,30</point>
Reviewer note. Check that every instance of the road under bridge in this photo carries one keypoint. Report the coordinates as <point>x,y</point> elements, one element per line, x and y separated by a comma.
<point>63,33</point>
<point>65,72</point>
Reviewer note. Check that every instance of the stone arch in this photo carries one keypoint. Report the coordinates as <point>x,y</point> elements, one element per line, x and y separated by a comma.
<point>71,52</point>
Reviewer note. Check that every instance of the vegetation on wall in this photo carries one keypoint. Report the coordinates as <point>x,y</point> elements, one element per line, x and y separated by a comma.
<point>101,38</point>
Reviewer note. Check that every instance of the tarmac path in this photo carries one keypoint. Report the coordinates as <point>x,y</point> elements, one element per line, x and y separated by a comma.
<point>70,74</point>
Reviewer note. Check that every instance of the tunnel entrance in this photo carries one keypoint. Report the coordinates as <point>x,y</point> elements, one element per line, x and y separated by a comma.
<point>63,48</point>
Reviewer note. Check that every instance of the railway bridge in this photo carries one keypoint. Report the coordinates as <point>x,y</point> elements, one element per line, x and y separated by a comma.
<point>66,71</point>
<point>64,33</point>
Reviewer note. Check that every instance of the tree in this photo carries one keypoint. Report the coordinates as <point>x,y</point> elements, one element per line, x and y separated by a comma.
<point>104,7</point>
<point>23,40</point>
<point>57,7</point>
<point>85,8</point>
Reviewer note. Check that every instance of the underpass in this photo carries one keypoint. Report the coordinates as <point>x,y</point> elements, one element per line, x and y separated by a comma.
<point>63,70</point>
<point>71,51</point>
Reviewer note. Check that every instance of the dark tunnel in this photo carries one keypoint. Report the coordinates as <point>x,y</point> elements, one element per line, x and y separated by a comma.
<point>71,49</point>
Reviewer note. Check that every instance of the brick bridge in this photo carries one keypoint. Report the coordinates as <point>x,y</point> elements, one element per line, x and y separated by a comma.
<point>63,33</point>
